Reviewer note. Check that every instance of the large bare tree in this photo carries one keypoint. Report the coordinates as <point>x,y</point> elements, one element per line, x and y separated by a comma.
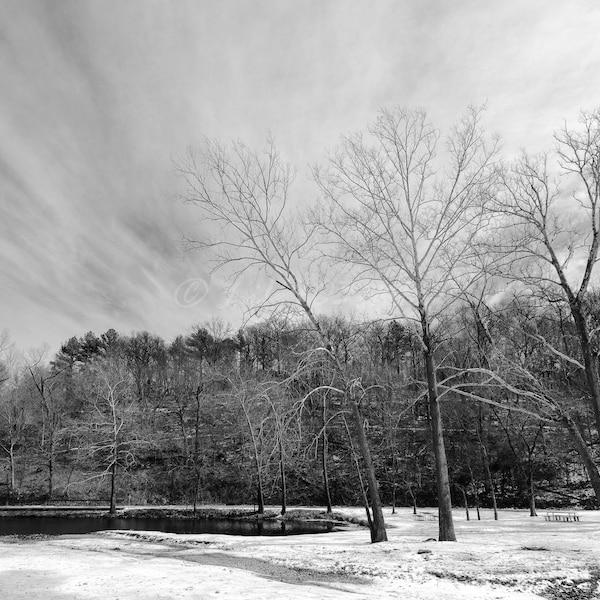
<point>244,197</point>
<point>112,410</point>
<point>401,210</point>
<point>548,220</point>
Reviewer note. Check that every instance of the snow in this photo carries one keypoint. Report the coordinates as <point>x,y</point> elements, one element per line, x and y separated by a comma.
<point>517,557</point>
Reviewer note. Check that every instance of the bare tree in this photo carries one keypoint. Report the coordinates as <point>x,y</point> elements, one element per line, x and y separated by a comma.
<point>44,390</point>
<point>112,406</point>
<point>523,439</point>
<point>549,232</point>
<point>256,435</point>
<point>530,358</point>
<point>548,235</point>
<point>245,196</point>
<point>13,408</point>
<point>485,461</point>
<point>403,219</point>
<point>281,416</point>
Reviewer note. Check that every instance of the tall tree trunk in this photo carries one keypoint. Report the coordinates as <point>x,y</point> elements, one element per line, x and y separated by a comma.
<point>412,497</point>
<point>184,441</point>
<point>589,359</point>
<point>486,465</point>
<point>11,491</point>
<point>532,508</point>
<point>446,522</point>
<point>283,481</point>
<point>113,484</point>
<point>197,444</point>
<point>50,475</point>
<point>196,489</point>
<point>378,532</point>
<point>361,483</point>
<point>324,453</point>
<point>465,501</point>
<point>260,498</point>
<point>477,505</point>
<point>584,454</point>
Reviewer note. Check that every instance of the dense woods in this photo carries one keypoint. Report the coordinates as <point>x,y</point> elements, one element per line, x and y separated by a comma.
<point>479,385</point>
<point>255,417</point>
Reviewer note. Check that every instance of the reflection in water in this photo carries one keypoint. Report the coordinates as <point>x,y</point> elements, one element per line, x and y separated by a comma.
<point>66,525</point>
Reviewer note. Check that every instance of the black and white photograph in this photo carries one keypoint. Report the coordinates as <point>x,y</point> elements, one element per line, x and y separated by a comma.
<point>299,299</point>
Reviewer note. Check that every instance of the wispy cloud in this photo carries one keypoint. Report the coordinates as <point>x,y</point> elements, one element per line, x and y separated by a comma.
<point>98,97</point>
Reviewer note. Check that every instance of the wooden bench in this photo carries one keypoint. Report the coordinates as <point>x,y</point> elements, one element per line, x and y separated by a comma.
<point>553,515</point>
<point>425,516</point>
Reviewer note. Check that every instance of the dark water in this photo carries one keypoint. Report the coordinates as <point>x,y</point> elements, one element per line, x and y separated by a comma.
<point>60,526</point>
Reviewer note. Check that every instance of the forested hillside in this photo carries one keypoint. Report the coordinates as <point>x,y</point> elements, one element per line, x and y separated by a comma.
<point>255,416</point>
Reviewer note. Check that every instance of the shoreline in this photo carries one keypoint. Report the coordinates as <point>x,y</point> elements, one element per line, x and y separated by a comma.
<point>180,512</point>
<point>516,557</point>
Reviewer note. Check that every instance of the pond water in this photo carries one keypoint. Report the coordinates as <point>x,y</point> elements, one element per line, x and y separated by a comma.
<point>64,525</point>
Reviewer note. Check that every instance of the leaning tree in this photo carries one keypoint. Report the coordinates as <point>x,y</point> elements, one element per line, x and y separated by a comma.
<point>245,196</point>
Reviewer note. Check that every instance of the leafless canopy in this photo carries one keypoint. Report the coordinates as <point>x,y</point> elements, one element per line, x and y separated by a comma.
<point>548,215</point>
<point>403,211</point>
<point>245,197</point>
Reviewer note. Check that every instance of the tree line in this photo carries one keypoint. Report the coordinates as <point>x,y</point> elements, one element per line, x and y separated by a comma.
<point>258,416</point>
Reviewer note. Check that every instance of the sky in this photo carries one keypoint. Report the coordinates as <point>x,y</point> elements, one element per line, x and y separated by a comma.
<point>100,97</point>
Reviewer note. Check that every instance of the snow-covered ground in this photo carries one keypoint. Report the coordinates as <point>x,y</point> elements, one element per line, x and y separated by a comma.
<point>515,557</point>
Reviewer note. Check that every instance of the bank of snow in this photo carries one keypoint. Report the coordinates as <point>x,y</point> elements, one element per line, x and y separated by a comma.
<point>515,557</point>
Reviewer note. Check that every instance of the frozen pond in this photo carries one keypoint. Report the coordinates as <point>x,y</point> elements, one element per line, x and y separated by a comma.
<point>73,525</point>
